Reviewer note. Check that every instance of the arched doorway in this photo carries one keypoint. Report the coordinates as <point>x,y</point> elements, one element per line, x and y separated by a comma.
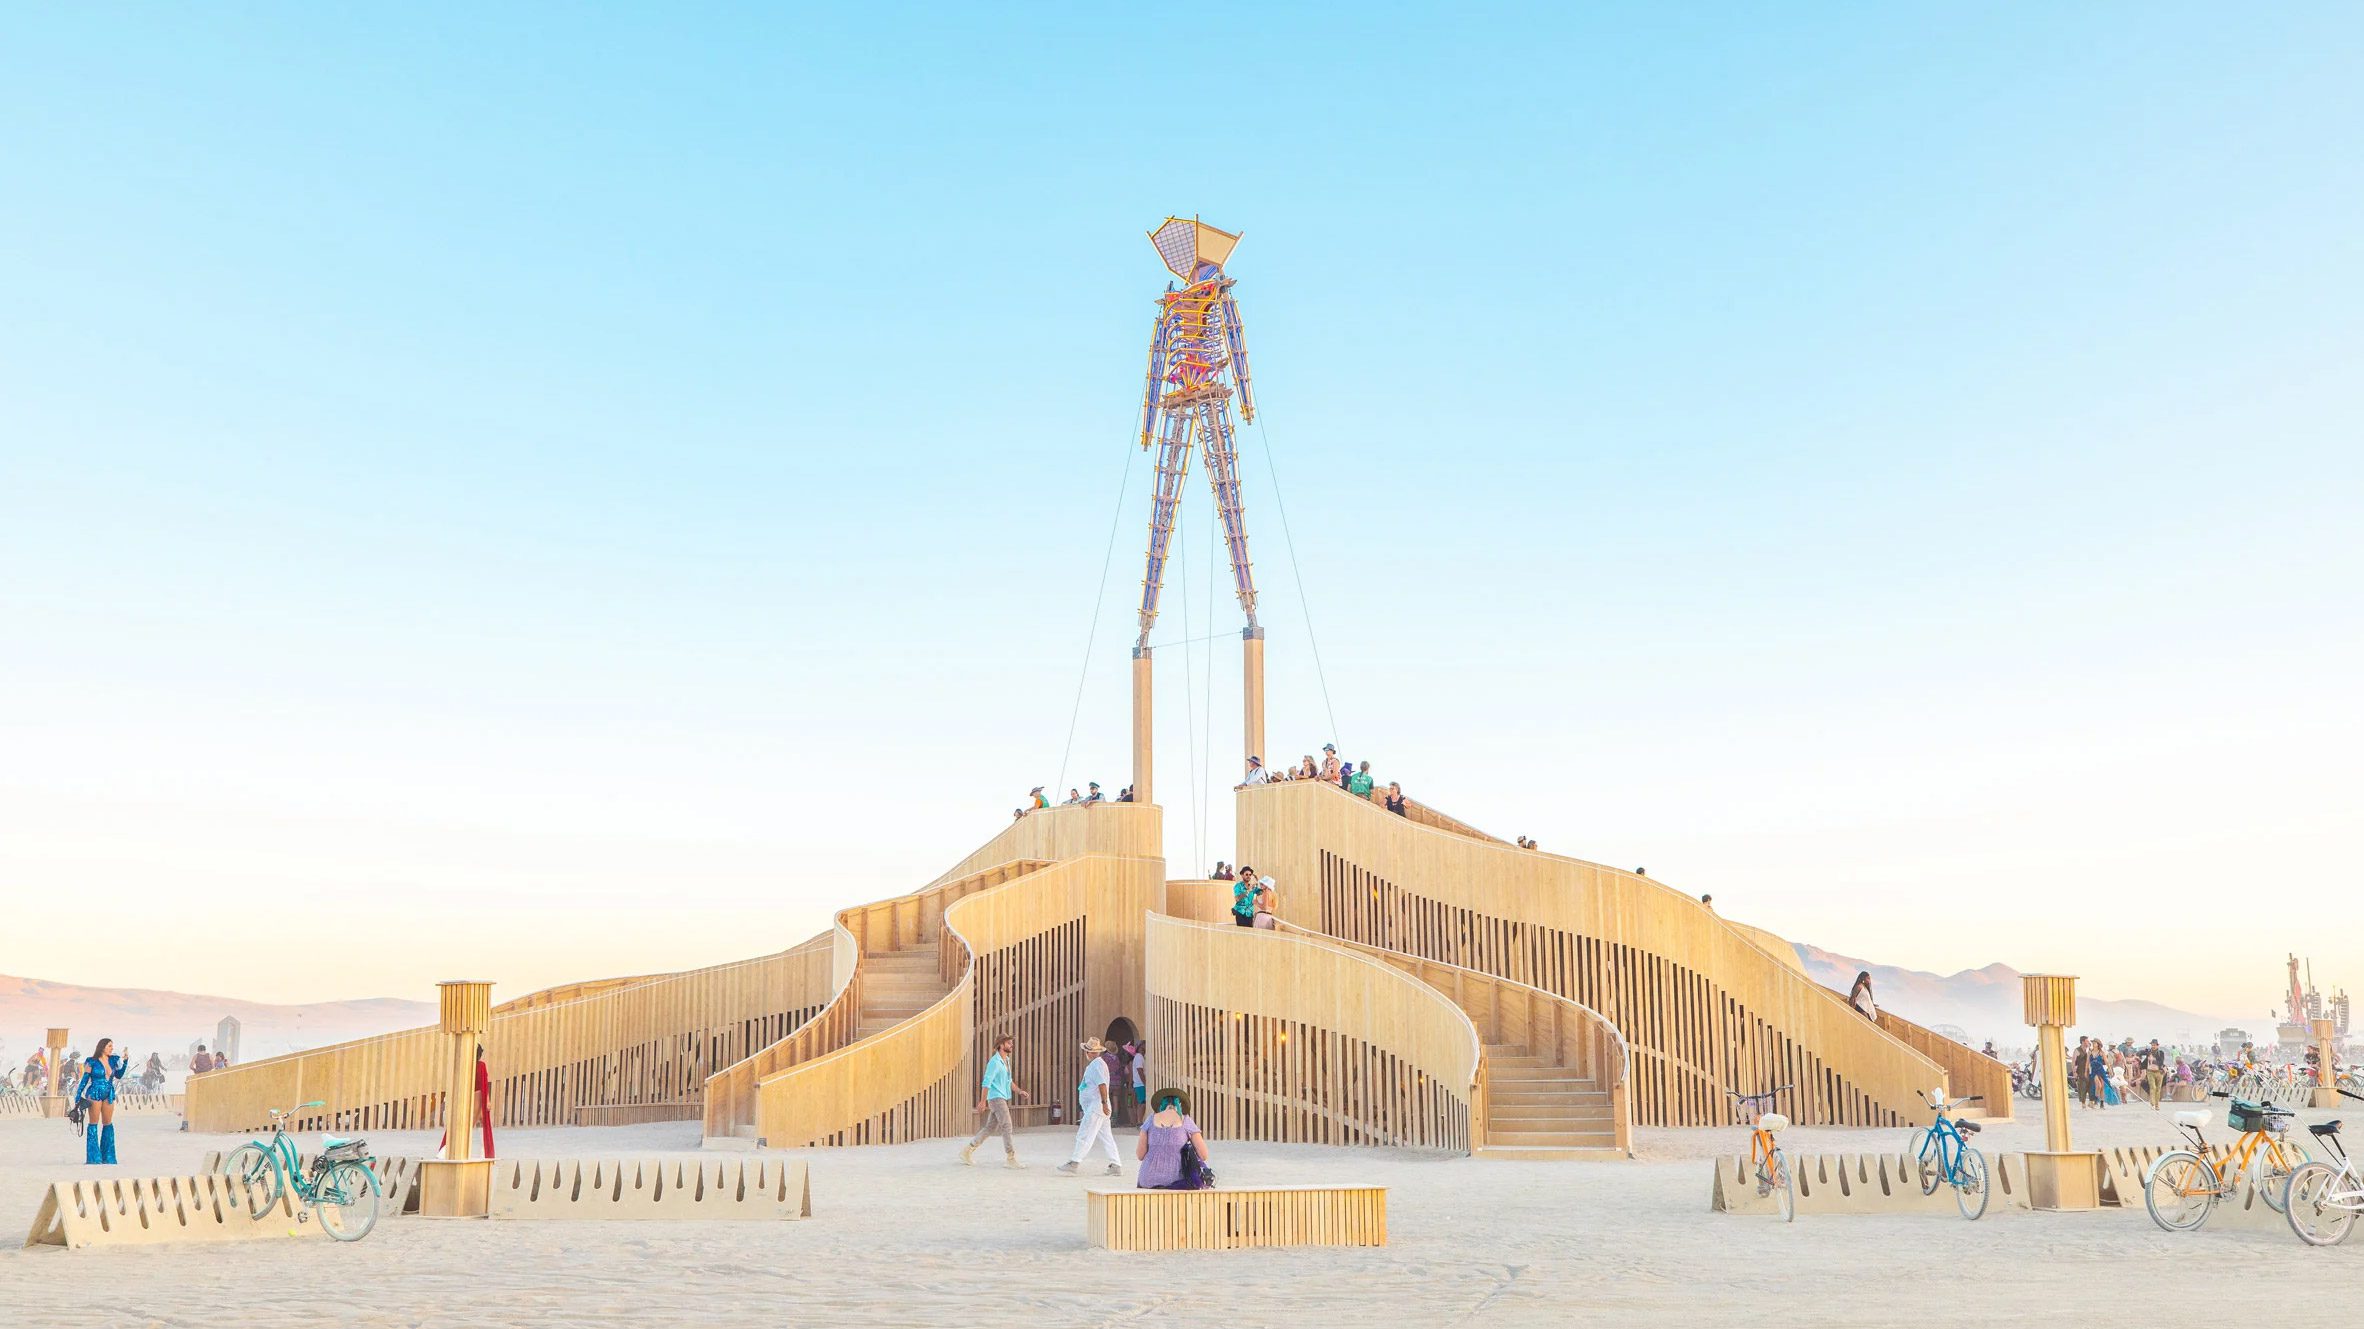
<point>1120,1085</point>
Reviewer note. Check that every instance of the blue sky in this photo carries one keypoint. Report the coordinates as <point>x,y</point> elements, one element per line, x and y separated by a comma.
<point>639,478</point>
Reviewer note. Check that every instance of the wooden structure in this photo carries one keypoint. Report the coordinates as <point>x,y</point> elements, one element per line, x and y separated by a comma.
<point>54,1096</point>
<point>2325,1094</point>
<point>2058,1177</point>
<point>1276,1037</point>
<point>459,1183</point>
<point>147,1211</point>
<point>1701,1007</point>
<point>612,1042</point>
<point>1229,1219</point>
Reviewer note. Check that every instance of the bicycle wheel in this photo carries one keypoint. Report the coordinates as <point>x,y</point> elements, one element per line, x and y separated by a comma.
<point>1970,1188</point>
<point>2180,1190</point>
<point>346,1201</point>
<point>2315,1214</point>
<point>1785,1186</point>
<point>254,1169</point>
<point>1927,1159</point>
<point>2276,1162</point>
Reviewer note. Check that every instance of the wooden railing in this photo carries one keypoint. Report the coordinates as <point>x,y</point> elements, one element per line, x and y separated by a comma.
<point>1701,1007</point>
<point>1552,1027</point>
<point>732,1094</point>
<point>1287,1038</point>
<point>1967,1070</point>
<point>648,1041</point>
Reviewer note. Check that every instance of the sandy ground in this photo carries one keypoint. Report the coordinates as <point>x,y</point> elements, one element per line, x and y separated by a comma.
<point>906,1236</point>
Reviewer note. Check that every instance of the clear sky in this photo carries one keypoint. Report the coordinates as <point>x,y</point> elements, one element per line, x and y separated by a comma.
<point>543,492</point>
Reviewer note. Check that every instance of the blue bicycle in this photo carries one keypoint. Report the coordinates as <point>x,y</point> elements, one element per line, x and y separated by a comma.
<point>1944,1156</point>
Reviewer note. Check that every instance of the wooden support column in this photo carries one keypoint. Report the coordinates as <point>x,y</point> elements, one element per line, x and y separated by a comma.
<point>54,1098</point>
<point>2327,1072</point>
<point>1143,763</point>
<point>2059,1177</point>
<point>1252,694</point>
<point>459,1184</point>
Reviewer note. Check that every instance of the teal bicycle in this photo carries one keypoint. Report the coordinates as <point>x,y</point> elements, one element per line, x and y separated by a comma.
<point>340,1186</point>
<point>1944,1156</point>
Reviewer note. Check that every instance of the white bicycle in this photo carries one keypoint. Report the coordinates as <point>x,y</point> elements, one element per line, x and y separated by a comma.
<point>2323,1201</point>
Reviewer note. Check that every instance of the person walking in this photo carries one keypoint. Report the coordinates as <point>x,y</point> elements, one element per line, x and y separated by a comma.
<point>99,1075</point>
<point>2154,1072</point>
<point>1860,997</point>
<point>993,1100</point>
<point>1091,1111</point>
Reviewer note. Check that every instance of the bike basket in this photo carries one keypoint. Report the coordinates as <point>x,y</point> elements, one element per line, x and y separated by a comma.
<point>2246,1116</point>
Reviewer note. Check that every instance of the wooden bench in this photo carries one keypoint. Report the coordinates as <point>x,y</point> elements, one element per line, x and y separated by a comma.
<point>1230,1217</point>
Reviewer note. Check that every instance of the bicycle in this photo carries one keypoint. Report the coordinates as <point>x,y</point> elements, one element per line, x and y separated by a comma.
<point>340,1187</point>
<point>1945,1156</point>
<point>2322,1201</point>
<point>1774,1177</point>
<point>2182,1188</point>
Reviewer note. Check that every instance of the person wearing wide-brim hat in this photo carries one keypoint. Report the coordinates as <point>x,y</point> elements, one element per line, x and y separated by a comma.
<point>1091,1111</point>
<point>1167,1137</point>
<point>1039,801</point>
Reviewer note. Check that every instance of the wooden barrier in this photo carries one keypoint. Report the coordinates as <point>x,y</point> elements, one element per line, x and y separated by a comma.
<point>1227,1218</point>
<point>398,1178</point>
<point>743,1189</point>
<point>1702,1007</point>
<point>1967,1070</point>
<point>608,1042</point>
<point>119,1211</point>
<point>1861,1184</point>
<point>1279,1037</point>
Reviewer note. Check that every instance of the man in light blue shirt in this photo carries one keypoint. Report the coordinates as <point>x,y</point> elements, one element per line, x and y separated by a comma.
<point>994,1102</point>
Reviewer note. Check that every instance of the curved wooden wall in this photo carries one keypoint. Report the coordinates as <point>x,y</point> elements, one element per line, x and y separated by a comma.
<point>864,930</point>
<point>1201,901</point>
<point>1019,954</point>
<point>1702,1008</point>
<point>1502,1011</point>
<point>641,1042</point>
<point>1280,1037</point>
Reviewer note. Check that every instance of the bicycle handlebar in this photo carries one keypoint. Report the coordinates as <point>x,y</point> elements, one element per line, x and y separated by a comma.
<point>1750,1098</point>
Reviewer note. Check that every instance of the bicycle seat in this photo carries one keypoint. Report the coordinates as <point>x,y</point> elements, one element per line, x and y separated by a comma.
<point>332,1141</point>
<point>2326,1130</point>
<point>1966,1127</point>
<point>2199,1117</point>
<point>1772,1121</point>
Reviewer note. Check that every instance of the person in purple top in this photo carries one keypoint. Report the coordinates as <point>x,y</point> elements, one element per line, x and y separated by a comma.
<point>1160,1146</point>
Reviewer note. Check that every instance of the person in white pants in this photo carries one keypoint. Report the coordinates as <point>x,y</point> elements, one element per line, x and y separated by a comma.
<point>1092,1112</point>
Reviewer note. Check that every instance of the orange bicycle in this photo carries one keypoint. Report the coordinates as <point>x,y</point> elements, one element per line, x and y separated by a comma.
<point>1771,1164</point>
<point>2183,1187</point>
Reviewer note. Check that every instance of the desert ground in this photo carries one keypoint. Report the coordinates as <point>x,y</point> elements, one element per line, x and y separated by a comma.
<point>904,1235</point>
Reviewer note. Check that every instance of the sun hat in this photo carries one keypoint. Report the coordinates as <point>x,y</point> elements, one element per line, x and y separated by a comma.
<point>1093,1046</point>
<point>1181,1100</point>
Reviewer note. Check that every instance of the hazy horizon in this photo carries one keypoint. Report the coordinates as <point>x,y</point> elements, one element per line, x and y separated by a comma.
<point>538,494</point>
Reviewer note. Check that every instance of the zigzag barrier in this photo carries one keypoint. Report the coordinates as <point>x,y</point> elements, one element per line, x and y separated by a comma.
<point>1860,1184</point>
<point>398,1179</point>
<point>1890,1184</point>
<point>20,1105</point>
<point>609,1188</point>
<point>29,1105</point>
<point>121,1211</point>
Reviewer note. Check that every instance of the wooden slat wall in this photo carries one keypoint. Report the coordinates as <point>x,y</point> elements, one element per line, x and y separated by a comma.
<point>1276,1037</point>
<point>1021,956</point>
<point>1503,1011</point>
<point>648,1041</point>
<point>1701,1007</point>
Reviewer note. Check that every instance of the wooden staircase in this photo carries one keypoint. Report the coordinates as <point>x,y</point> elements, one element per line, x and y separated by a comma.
<point>898,985</point>
<point>1538,1108</point>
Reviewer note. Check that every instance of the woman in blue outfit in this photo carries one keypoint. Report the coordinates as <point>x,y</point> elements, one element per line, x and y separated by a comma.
<point>99,1075</point>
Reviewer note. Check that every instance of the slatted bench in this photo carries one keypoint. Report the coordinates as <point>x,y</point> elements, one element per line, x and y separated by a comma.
<point>1230,1217</point>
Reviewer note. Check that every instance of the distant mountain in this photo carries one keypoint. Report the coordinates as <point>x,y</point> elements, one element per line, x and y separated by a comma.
<point>146,1020</point>
<point>1986,1003</point>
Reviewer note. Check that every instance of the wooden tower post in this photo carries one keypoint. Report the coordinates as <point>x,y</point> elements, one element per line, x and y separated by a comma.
<point>54,1099</point>
<point>1252,694</point>
<point>1144,766</point>
<point>459,1184</point>
<point>2059,1177</point>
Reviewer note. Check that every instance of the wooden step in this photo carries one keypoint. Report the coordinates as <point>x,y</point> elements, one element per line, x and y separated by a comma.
<point>1536,1154</point>
<point>1604,1138</point>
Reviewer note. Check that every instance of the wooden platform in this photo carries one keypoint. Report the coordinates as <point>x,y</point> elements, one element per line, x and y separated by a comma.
<point>1229,1217</point>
